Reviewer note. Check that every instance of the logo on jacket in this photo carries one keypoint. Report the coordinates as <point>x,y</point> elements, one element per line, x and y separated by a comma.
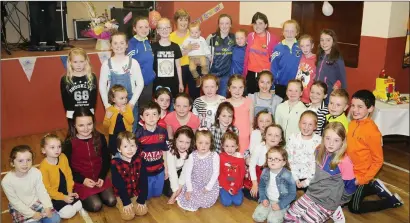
<point>274,55</point>
<point>298,53</point>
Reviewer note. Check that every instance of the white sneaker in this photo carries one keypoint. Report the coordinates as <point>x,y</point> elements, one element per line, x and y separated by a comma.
<point>85,216</point>
<point>338,216</point>
<point>396,200</point>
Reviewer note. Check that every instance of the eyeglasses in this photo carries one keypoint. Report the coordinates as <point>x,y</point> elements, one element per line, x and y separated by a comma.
<point>275,160</point>
<point>164,28</point>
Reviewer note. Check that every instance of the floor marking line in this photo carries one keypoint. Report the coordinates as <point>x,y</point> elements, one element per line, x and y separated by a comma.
<point>397,167</point>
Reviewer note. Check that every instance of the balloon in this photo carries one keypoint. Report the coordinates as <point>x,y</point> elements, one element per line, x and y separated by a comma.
<point>153,18</point>
<point>327,8</point>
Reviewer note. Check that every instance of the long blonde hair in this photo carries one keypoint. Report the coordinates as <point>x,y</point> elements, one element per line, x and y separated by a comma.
<point>69,75</point>
<point>340,130</point>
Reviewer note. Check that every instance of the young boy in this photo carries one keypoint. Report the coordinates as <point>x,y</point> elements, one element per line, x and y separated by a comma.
<point>238,52</point>
<point>338,104</point>
<point>129,177</point>
<point>364,147</point>
<point>197,57</point>
<point>153,141</point>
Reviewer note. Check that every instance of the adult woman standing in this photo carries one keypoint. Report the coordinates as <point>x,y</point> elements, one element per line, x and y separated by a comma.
<point>221,43</point>
<point>258,51</point>
<point>182,20</point>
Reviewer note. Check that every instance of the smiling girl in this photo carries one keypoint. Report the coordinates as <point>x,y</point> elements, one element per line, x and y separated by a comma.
<point>121,69</point>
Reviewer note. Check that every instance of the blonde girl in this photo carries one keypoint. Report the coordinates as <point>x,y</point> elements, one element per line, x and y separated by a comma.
<point>124,70</point>
<point>59,186</point>
<point>25,191</point>
<point>334,181</point>
<point>167,60</point>
<point>139,48</point>
<point>243,108</point>
<point>301,148</point>
<point>286,57</point>
<point>307,66</point>
<point>288,113</point>
<point>79,85</point>
<point>205,106</point>
<point>117,97</point>
<point>201,189</point>
<point>275,195</point>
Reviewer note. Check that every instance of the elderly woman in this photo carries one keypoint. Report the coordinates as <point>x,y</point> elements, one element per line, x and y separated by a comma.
<point>182,20</point>
<point>221,43</point>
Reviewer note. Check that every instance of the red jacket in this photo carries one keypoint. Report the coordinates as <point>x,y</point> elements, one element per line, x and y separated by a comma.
<point>271,41</point>
<point>231,172</point>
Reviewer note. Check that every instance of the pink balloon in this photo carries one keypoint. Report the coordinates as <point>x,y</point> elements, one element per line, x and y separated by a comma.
<point>153,18</point>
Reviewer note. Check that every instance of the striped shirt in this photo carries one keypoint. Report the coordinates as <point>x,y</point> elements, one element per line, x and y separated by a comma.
<point>206,110</point>
<point>321,117</point>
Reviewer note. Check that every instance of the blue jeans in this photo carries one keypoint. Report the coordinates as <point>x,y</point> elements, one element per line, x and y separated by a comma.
<point>156,185</point>
<point>54,219</point>
<point>223,85</point>
<point>227,199</point>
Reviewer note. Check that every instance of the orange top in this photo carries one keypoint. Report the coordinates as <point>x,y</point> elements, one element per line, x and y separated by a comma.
<point>258,55</point>
<point>364,147</point>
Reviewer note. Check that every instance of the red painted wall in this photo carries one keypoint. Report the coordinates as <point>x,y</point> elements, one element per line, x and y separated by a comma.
<point>36,106</point>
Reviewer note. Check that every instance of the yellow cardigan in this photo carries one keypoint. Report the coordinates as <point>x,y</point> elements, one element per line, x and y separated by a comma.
<point>51,176</point>
<point>128,119</point>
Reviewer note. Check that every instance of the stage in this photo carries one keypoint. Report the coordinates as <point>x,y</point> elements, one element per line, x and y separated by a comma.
<point>88,45</point>
<point>30,89</point>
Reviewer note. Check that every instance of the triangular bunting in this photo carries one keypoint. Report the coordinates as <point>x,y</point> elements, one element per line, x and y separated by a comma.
<point>28,63</point>
<point>104,56</point>
<point>64,61</point>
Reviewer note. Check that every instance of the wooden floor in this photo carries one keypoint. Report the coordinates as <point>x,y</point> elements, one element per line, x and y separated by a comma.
<point>87,45</point>
<point>396,179</point>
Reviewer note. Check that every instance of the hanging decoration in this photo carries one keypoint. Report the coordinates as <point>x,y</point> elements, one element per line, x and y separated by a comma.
<point>208,14</point>
<point>28,63</point>
<point>64,61</point>
<point>327,8</point>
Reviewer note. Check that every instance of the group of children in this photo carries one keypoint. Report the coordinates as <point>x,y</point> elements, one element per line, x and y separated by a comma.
<point>257,146</point>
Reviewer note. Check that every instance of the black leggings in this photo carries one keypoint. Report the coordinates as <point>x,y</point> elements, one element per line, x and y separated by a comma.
<point>94,202</point>
<point>251,83</point>
<point>357,204</point>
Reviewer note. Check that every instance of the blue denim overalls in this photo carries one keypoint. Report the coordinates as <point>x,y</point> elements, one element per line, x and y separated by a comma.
<point>124,79</point>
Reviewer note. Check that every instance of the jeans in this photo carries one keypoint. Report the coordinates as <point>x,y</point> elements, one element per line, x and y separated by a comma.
<point>227,199</point>
<point>155,185</point>
<point>55,218</point>
<point>223,85</point>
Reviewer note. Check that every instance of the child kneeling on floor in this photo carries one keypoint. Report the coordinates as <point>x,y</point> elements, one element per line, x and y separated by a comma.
<point>129,177</point>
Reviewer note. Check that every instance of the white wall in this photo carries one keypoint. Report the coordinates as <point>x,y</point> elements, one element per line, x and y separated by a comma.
<point>12,34</point>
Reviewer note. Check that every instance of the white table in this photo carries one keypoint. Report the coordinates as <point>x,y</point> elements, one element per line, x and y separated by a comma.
<point>392,119</point>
